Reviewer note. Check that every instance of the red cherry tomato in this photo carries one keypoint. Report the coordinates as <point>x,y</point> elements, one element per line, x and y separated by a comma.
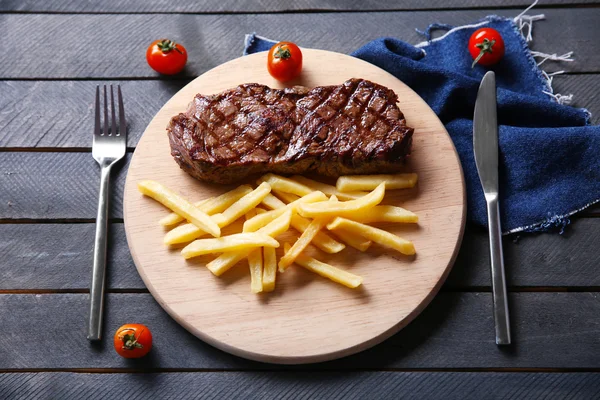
<point>133,340</point>
<point>486,46</point>
<point>166,56</point>
<point>284,61</point>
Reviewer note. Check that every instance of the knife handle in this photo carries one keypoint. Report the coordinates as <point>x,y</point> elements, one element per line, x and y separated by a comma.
<point>500,297</point>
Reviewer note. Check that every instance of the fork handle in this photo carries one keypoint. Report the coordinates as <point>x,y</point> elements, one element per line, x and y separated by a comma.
<point>99,269</point>
<point>499,296</point>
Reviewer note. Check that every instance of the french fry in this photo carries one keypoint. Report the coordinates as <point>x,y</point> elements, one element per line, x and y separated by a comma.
<point>251,213</point>
<point>356,241</point>
<point>299,245</point>
<point>212,205</point>
<point>269,269</point>
<point>243,205</point>
<point>254,224</point>
<point>183,234</point>
<point>307,236</point>
<point>238,241</point>
<point>227,260</point>
<point>327,271</point>
<point>346,208</point>
<point>385,214</point>
<point>328,189</point>
<point>255,263</point>
<point>323,241</point>
<point>286,185</point>
<point>173,218</point>
<point>375,234</point>
<point>178,204</point>
<point>369,182</point>
<point>288,197</point>
<point>353,240</point>
<point>188,232</point>
<point>272,202</point>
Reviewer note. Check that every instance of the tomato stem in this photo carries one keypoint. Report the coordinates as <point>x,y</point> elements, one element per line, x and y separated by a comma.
<point>130,341</point>
<point>484,47</point>
<point>282,53</point>
<point>167,45</point>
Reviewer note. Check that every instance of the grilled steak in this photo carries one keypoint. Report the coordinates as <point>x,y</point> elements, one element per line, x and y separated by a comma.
<point>352,128</point>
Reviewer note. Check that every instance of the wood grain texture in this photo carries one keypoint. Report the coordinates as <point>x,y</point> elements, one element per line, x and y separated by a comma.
<point>38,108</point>
<point>60,114</point>
<point>305,313</point>
<point>532,260</point>
<point>45,185</point>
<point>54,125</point>
<point>191,6</point>
<point>214,39</point>
<point>58,257</point>
<point>56,185</point>
<point>550,330</point>
<point>334,385</point>
<point>585,90</point>
<point>553,330</point>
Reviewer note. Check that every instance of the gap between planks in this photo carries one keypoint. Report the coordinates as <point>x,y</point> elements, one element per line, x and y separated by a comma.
<point>52,149</point>
<point>183,78</point>
<point>292,369</point>
<point>444,289</point>
<point>304,11</point>
<point>71,291</point>
<point>17,221</point>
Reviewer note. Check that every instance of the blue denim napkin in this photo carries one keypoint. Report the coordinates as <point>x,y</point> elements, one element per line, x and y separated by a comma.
<point>549,154</point>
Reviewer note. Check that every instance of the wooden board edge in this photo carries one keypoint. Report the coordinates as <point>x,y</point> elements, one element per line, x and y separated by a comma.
<point>324,356</point>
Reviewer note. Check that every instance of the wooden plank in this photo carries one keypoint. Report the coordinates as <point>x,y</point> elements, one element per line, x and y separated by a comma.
<point>56,185</point>
<point>550,330</point>
<point>216,38</point>
<point>585,90</point>
<point>532,260</point>
<point>45,185</point>
<point>227,6</point>
<point>59,256</point>
<point>61,114</point>
<point>56,124</point>
<point>306,385</point>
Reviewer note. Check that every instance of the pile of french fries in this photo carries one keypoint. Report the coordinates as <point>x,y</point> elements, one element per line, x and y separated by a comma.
<point>327,217</point>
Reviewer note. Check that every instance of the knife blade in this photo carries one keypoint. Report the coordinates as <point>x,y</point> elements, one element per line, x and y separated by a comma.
<point>485,148</point>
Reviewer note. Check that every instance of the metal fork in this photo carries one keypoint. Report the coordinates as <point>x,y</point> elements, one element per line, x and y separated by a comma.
<point>108,147</point>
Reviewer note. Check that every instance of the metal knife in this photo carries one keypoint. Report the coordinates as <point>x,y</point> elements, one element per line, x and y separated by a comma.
<point>485,147</point>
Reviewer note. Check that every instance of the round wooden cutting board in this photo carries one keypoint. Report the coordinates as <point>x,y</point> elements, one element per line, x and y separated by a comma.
<point>307,318</point>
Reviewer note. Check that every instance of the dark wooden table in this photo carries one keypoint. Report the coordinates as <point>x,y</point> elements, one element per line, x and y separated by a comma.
<point>53,56</point>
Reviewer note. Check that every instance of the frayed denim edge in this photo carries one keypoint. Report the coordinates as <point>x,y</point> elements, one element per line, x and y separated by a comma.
<point>249,40</point>
<point>553,222</point>
<point>534,67</point>
<point>483,21</point>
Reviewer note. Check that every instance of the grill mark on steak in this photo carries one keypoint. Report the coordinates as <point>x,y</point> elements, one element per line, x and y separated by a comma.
<point>355,127</point>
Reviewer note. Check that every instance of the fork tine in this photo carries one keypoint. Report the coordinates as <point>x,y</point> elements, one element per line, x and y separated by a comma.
<point>122,123</point>
<point>113,125</point>
<point>97,117</point>
<point>105,113</point>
